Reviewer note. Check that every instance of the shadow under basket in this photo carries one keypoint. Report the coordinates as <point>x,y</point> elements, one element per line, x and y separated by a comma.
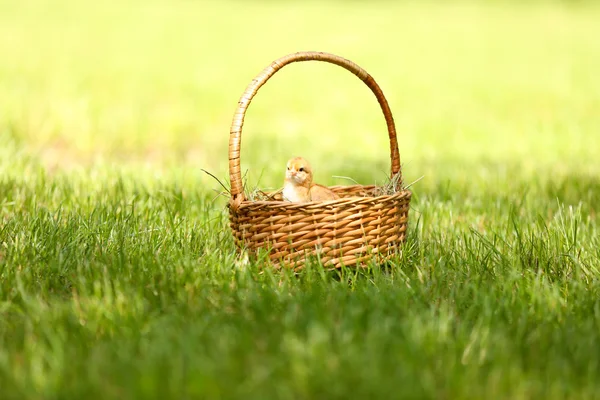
<point>362,225</point>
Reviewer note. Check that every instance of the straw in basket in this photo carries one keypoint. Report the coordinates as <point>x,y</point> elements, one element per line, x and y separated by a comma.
<point>360,226</point>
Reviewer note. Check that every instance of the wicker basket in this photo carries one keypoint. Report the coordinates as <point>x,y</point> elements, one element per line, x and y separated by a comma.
<point>353,229</point>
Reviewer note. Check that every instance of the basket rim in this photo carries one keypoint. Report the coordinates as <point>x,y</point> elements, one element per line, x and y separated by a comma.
<point>315,205</point>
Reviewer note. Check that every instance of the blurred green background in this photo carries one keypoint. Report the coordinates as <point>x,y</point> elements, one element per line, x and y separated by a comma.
<point>475,86</point>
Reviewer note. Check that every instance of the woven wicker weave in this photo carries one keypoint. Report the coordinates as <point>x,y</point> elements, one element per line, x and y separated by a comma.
<point>359,226</point>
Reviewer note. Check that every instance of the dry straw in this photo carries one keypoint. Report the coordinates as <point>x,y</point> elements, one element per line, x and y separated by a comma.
<point>367,222</point>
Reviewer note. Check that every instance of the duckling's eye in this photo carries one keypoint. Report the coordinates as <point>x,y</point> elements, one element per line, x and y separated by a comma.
<point>288,168</point>
<point>301,170</point>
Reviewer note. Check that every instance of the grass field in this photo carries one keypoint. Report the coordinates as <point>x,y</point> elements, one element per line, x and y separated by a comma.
<point>118,276</point>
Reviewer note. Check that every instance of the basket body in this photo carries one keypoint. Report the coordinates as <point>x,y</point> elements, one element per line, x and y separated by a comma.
<point>354,229</point>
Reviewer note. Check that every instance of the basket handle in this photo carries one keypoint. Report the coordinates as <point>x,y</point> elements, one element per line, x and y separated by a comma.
<point>235,137</point>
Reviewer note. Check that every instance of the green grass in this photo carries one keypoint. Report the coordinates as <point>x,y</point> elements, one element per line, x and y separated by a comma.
<point>118,276</point>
